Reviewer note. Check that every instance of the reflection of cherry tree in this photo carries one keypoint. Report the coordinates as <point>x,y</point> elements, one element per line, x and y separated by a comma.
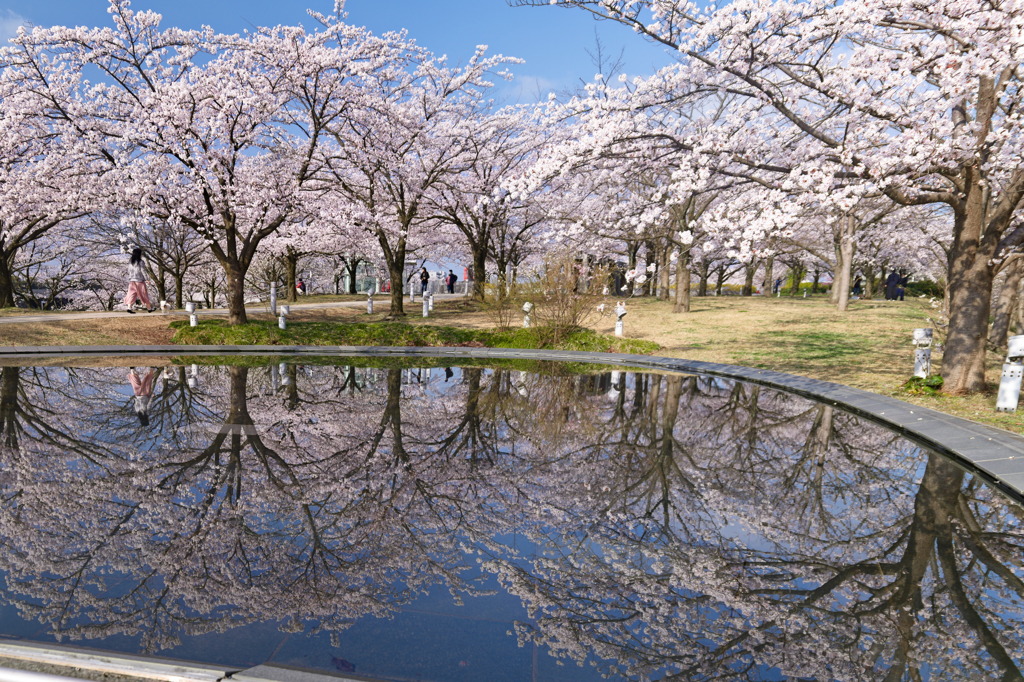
<point>736,528</point>
<point>664,525</point>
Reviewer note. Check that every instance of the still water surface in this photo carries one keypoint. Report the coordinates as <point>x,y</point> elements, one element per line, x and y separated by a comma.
<point>473,523</point>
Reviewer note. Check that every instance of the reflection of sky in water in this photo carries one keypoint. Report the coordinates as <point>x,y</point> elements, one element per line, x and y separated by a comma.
<point>406,521</point>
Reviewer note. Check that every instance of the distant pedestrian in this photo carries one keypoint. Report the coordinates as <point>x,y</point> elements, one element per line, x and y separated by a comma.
<point>901,286</point>
<point>137,283</point>
<point>892,283</point>
<point>777,286</point>
<point>858,286</point>
<point>450,281</point>
<point>300,286</point>
<point>424,280</point>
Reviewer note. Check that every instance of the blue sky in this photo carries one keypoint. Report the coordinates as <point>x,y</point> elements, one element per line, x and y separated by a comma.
<point>553,41</point>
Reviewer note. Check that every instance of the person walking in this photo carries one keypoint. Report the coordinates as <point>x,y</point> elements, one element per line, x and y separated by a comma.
<point>450,281</point>
<point>424,280</point>
<point>858,286</point>
<point>137,283</point>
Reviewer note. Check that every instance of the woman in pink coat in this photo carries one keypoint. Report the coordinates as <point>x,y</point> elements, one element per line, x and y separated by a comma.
<point>137,283</point>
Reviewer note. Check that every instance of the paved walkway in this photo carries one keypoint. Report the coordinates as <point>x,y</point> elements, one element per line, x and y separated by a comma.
<point>253,309</point>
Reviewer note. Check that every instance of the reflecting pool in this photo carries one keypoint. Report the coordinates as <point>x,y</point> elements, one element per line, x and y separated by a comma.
<point>474,523</point>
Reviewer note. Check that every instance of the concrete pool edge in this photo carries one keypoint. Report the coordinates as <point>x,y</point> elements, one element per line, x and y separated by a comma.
<point>57,662</point>
<point>994,454</point>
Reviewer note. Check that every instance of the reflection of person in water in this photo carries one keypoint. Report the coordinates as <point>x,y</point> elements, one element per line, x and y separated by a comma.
<point>142,387</point>
<point>448,374</point>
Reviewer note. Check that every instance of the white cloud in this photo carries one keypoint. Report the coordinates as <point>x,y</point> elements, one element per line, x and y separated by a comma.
<point>527,89</point>
<point>9,23</point>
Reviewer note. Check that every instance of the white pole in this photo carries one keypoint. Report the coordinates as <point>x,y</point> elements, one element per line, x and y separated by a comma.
<point>1013,374</point>
<point>426,306</point>
<point>369,303</point>
<point>273,298</point>
<point>193,320</point>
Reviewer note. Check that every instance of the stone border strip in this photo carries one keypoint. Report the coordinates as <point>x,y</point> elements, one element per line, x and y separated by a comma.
<point>61,663</point>
<point>995,455</point>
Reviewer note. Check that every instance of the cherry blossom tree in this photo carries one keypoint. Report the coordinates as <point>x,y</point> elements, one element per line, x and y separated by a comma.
<point>917,102</point>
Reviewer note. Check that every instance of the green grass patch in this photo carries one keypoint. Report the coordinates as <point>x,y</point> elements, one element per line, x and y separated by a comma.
<point>260,333</point>
<point>811,346</point>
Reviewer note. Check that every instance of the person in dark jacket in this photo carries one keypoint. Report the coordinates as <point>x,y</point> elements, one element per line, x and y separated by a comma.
<point>891,284</point>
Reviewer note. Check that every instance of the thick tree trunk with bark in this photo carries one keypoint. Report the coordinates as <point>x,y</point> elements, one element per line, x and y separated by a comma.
<point>397,301</point>
<point>682,302</point>
<point>236,296</point>
<point>970,299</point>
<point>479,273</point>
<point>1006,302</point>
<point>291,266</point>
<point>6,280</point>
<point>749,270</point>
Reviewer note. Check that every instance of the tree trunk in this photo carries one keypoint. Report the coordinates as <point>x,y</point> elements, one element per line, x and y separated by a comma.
<point>1006,303</point>
<point>845,264</point>
<point>769,277</point>
<point>236,296</point>
<point>397,302</point>
<point>703,273</point>
<point>352,265</point>
<point>479,277</point>
<point>797,273</point>
<point>663,273</point>
<point>179,291</point>
<point>749,270</point>
<point>869,283</point>
<point>161,283</point>
<point>970,299</point>
<point>291,265</point>
<point>6,281</point>
<point>682,303</point>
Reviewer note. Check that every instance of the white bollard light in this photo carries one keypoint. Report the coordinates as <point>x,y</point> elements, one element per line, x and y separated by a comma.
<point>426,306</point>
<point>369,303</point>
<point>273,298</point>
<point>620,312</point>
<point>923,352</point>
<point>805,293</point>
<point>527,309</point>
<point>1013,373</point>
<point>281,323</point>
<point>283,369</point>
<point>193,320</point>
<point>431,298</point>
<point>190,307</point>
<point>193,377</point>
<point>286,310</point>
<point>412,294</point>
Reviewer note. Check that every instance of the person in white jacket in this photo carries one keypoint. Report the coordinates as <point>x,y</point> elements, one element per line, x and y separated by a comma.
<point>137,283</point>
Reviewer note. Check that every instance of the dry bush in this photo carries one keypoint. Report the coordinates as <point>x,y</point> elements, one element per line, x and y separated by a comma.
<point>504,307</point>
<point>565,293</point>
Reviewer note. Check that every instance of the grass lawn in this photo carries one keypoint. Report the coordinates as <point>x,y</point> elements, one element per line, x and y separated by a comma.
<point>868,347</point>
